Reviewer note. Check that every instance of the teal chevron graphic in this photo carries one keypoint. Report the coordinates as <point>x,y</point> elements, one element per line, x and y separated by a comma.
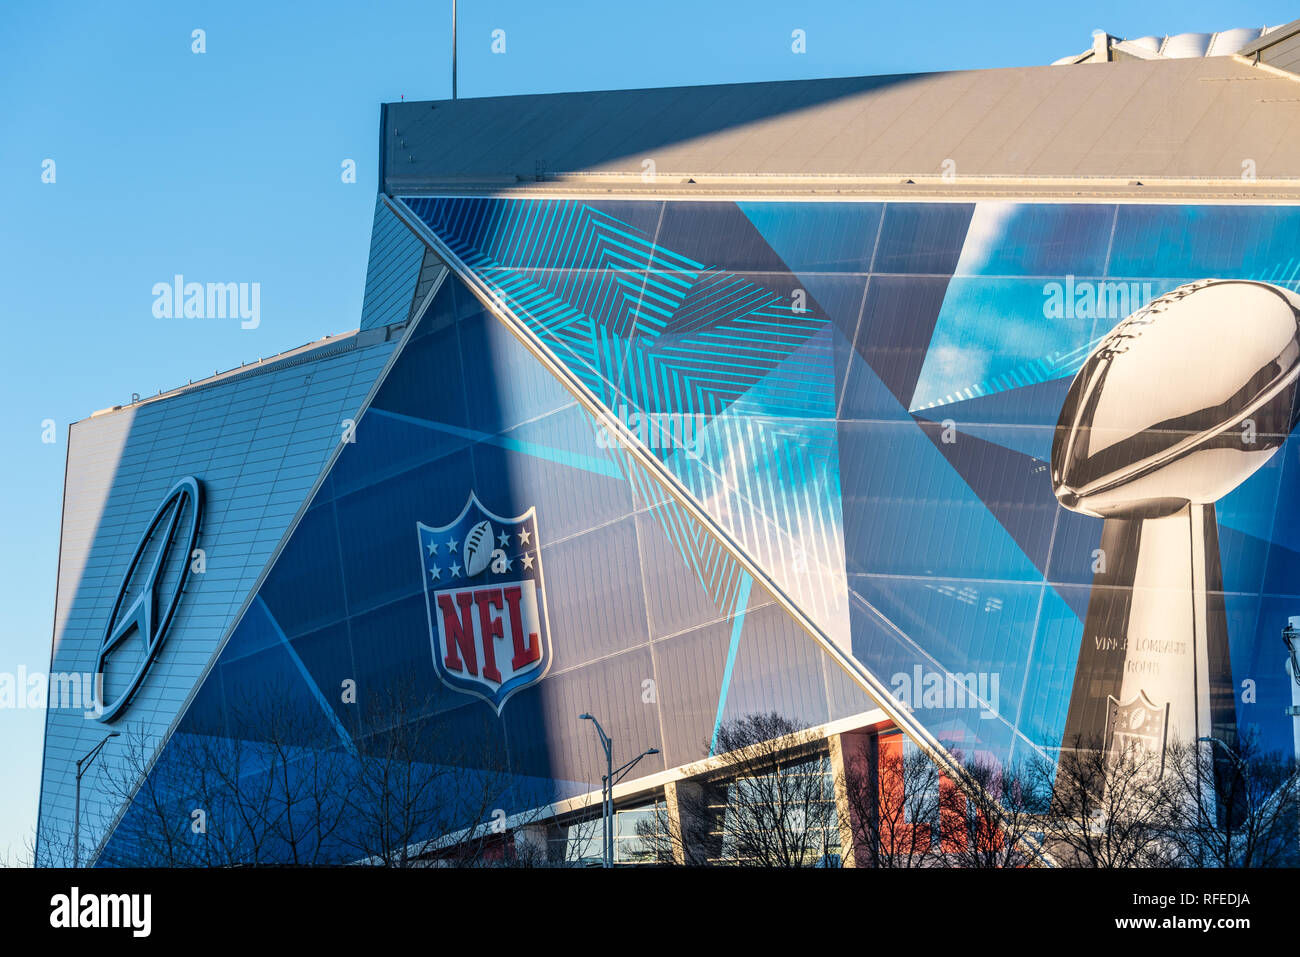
<point>655,332</point>
<point>712,564</point>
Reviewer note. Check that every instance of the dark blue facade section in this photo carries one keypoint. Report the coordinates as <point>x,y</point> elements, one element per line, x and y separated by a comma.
<point>345,623</point>
<point>863,398</point>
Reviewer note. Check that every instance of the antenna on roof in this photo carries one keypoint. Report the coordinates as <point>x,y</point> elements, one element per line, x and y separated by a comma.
<point>453,49</point>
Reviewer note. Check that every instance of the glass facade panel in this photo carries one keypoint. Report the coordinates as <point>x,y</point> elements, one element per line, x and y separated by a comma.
<point>876,403</point>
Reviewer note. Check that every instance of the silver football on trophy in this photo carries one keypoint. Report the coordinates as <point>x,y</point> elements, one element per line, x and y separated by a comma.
<point>1181,402</point>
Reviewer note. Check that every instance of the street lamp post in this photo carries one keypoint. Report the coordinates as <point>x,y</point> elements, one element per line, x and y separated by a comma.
<point>1291,638</point>
<point>606,790</point>
<point>607,782</point>
<point>83,765</point>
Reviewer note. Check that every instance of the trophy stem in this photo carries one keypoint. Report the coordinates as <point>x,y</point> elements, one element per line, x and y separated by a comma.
<point>1199,515</point>
<point>1153,666</point>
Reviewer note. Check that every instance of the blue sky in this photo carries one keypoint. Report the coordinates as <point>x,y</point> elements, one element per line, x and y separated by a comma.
<point>226,164</point>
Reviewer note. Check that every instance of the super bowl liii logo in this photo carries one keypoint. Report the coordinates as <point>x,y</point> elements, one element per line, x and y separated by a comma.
<point>486,600</point>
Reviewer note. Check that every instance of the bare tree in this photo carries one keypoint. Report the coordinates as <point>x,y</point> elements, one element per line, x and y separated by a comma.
<point>419,798</point>
<point>155,830</point>
<point>47,846</point>
<point>1233,806</point>
<point>267,784</point>
<point>680,835</point>
<point>269,781</point>
<point>306,769</point>
<point>546,839</point>
<point>766,800</point>
<point>401,792</point>
<point>893,799</point>
<point>991,815</point>
<point>1109,808</point>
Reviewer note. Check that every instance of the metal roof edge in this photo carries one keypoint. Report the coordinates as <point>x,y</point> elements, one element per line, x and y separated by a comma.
<point>927,187</point>
<point>323,348</point>
<point>1276,35</point>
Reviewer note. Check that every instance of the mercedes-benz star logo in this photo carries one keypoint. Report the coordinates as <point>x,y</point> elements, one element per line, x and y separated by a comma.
<point>157,589</point>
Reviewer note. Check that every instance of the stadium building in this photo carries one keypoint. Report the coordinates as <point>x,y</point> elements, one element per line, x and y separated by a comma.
<point>945,411</point>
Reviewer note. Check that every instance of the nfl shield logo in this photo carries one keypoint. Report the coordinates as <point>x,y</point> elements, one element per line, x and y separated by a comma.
<point>1138,722</point>
<point>486,600</point>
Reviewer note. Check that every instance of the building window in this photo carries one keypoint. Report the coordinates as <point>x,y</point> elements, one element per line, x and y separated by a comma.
<point>785,817</point>
<point>638,837</point>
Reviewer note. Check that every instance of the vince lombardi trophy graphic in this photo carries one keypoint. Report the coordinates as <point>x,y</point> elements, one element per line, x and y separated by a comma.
<point>1179,405</point>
